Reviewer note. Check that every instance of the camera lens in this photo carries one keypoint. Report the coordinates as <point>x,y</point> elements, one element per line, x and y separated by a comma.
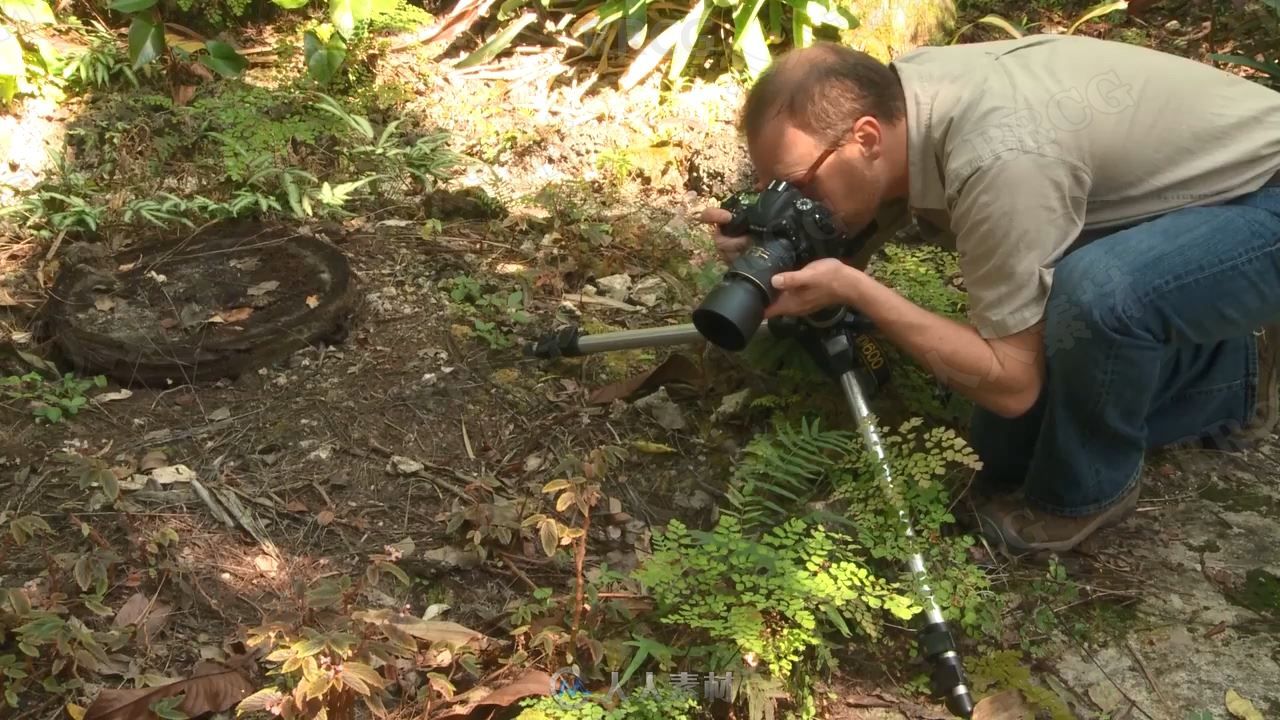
<point>731,313</point>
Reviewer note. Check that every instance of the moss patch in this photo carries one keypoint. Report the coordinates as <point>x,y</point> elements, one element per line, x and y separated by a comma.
<point>1241,499</point>
<point>1260,593</point>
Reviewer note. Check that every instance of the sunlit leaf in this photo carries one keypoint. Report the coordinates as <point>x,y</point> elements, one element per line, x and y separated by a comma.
<point>554,485</point>
<point>690,32</point>
<point>12,63</point>
<point>637,24</point>
<point>755,51</point>
<point>346,14</point>
<point>1097,11</point>
<point>682,36</point>
<point>997,21</point>
<point>549,535</point>
<point>36,12</point>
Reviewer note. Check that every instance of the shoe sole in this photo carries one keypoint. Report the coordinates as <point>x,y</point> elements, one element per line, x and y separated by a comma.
<point>1111,517</point>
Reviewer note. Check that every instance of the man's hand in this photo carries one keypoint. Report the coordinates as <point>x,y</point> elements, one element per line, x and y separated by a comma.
<point>728,247</point>
<point>820,284</point>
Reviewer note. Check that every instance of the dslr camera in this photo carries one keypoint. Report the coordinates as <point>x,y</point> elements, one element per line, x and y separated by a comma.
<point>787,231</point>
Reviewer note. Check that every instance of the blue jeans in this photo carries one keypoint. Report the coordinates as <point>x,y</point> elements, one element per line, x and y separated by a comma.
<point>1149,340</point>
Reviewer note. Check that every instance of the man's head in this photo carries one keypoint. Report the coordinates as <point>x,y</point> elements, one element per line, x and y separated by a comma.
<point>832,121</point>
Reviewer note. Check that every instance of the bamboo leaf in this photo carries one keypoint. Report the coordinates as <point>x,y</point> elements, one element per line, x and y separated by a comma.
<point>497,44</point>
<point>690,31</point>
<point>1098,11</point>
<point>755,51</point>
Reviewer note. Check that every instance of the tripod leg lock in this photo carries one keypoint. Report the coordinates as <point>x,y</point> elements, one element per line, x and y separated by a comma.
<point>949,680</point>
<point>561,343</point>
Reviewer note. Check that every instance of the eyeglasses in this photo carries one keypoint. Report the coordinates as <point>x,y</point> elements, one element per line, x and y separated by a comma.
<point>807,179</point>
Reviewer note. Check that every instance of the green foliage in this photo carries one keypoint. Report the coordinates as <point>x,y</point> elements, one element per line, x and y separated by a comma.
<point>809,543</point>
<point>660,703</point>
<point>26,57</point>
<point>1261,21</point>
<point>50,401</point>
<point>43,643</point>
<point>771,597</point>
<point>1004,670</point>
<point>677,35</point>
<point>923,274</point>
<point>327,663</point>
<point>238,151</point>
<point>1017,30</point>
<point>493,312</point>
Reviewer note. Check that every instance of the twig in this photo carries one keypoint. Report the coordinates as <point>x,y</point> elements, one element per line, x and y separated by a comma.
<point>94,535</point>
<point>520,573</point>
<point>1150,680</point>
<point>218,513</point>
<point>1098,665</point>
<point>580,557</point>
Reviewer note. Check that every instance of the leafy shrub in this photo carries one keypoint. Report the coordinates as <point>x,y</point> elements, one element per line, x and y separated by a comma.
<point>808,542</point>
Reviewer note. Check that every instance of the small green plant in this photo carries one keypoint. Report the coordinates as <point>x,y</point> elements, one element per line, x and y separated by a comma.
<point>492,312</point>
<point>324,658</point>
<point>42,642</point>
<point>662,702</point>
<point>50,401</point>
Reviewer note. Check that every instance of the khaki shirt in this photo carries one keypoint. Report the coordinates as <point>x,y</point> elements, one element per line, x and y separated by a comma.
<point>1020,149</point>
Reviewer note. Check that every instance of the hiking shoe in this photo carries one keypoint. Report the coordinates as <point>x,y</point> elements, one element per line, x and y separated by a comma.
<point>1009,523</point>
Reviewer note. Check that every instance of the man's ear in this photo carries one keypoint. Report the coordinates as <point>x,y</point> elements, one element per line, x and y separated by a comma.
<point>868,135</point>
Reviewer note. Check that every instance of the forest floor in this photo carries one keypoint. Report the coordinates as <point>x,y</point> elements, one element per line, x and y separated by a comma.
<point>231,501</point>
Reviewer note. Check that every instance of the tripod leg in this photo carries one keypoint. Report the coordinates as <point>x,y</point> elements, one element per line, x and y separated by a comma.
<point>949,679</point>
<point>569,342</point>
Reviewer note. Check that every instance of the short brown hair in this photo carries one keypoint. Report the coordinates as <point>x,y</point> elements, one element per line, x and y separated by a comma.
<point>822,89</point>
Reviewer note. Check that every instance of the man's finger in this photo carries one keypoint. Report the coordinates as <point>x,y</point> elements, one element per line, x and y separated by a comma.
<point>782,281</point>
<point>715,215</point>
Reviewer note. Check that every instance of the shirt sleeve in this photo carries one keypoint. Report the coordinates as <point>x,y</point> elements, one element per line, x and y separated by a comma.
<point>1013,219</point>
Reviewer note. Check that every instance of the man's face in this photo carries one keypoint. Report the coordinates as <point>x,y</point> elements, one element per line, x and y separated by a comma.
<point>847,180</point>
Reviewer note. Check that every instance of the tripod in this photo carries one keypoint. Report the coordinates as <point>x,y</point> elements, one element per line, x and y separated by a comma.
<point>842,348</point>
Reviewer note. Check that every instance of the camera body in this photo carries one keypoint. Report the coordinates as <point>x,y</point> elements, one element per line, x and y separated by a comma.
<point>787,232</point>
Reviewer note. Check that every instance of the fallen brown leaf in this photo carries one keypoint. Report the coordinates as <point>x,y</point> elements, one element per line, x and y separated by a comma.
<point>532,682</point>
<point>212,688</point>
<point>1007,705</point>
<point>324,517</point>
<point>677,369</point>
<point>263,288</point>
<point>182,94</point>
<point>237,314</point>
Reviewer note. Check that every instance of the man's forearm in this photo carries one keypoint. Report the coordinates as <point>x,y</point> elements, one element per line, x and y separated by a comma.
<point>1006,382</point>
